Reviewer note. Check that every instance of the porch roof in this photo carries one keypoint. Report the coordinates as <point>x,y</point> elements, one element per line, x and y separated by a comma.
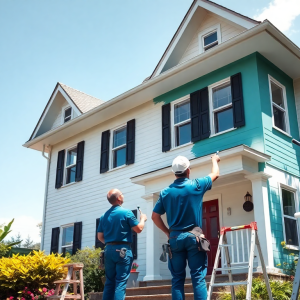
<point>238,151</point>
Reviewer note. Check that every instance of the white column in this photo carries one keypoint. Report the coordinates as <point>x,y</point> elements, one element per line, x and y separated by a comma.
<point>153,250</point>
<point>262,215</point>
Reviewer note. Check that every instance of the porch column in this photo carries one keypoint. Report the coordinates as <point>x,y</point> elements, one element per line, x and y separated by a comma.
<point>262,214</point>
<point>152,243</point>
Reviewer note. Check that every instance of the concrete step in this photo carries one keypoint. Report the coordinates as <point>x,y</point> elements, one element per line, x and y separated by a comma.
<point>188,296</point>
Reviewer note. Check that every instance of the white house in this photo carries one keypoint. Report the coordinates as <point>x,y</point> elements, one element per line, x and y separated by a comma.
<point>225,82</point>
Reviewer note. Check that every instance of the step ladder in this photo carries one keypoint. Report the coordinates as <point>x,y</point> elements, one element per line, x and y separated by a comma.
<point>296,283</point>
<point>223,244</point>
<point>70,279</point>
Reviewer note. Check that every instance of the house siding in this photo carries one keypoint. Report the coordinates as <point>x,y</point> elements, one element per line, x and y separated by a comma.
<point>297,99</point>
<point>228,30</point>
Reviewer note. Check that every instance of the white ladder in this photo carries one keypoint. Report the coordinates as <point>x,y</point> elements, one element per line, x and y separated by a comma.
<point>296,284</point>
<point>231,284</point>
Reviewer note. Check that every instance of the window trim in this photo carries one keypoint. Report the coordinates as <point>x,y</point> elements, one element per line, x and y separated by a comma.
<point>294,191</point>
<point>61,238</point>
<point>64,108</point>
<point>287,123</point>
<point>173,131</point>
<point>212,111</point>
<point>111,149</point>
<point>65,165</point>
<point>205,33</point>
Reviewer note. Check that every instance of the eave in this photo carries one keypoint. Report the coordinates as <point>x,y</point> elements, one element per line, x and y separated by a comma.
<point>263,38</point>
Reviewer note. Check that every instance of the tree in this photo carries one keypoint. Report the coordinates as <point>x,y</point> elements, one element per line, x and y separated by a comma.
<point>16,239</point>
<point>40,225</point>
<point>28,243</point>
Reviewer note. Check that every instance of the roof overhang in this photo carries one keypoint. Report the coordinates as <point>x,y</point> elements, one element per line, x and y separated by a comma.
<point>232,162</point>
<point>263,38</point>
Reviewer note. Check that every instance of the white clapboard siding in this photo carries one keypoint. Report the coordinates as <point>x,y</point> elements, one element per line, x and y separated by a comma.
<point>228,30</point>
<point>58,121</point>
<point>85,201</point>
<point>297,99</point>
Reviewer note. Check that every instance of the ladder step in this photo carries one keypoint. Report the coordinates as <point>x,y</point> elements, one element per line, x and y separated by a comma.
<point>68,296</point>
<point>232,268</point>
<point>230,283</point>
<point>66,281</point>
<point>226,245</point>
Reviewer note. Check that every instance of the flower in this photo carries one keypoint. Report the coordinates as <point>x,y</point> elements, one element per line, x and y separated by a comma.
<point>11,297</point>
<point>44,290</point>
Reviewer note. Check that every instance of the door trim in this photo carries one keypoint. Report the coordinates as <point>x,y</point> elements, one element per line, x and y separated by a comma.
<point>219,198</point>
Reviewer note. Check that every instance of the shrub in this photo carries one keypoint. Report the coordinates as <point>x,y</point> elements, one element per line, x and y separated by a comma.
<point>37,294</point>
<point>281,290</point>
<point>289,266</point>
<point>34,271</point>
<point>92,275</point>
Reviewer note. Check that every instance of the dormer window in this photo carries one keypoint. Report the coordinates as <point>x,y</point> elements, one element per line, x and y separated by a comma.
<point>209,38</point>
<point>67,114</point>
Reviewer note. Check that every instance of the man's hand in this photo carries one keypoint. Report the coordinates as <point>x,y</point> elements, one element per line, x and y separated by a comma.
<point>143,217</point>
<point>215,157</point>
<point>215,172</point>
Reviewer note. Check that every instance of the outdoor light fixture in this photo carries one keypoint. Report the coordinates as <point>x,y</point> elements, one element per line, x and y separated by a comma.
<point>248,205</point>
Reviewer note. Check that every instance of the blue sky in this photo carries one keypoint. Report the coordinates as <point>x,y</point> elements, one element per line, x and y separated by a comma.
<point>102,48</point>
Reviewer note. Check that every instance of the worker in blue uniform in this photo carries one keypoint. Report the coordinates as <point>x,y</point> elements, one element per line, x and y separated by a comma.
<point>115,232</point>
<point>182,203</point>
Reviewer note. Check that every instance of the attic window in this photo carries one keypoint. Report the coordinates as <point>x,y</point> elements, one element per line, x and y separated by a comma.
<point>67,114</point>
<point>210,40</point>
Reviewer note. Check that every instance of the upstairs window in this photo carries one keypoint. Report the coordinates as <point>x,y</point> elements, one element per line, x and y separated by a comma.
<point>279,106</point>
<point>70,170</point>
<point>119,147</point>
<point>67,114</point>
<point>210,40</point>
<point>182,123</point>
<point>67,240</point>
<point>221,103</point>
<point>290,222</point>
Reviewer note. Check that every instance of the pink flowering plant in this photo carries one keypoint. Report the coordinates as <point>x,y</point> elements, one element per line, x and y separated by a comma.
<point>36,294</point>
<point>134,266</point>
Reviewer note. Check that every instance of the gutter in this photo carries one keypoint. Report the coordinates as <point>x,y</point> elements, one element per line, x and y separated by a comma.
<point>265,26</point>
<point>46,192</point>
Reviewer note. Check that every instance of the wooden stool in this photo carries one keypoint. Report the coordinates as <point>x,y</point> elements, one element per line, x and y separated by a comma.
<point>70,279</point>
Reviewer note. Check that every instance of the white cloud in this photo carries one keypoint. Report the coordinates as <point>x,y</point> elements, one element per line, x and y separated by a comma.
<point>281,13</point>
<point>24,225</point>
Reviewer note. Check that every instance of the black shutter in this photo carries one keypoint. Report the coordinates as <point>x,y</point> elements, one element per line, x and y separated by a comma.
<point>130,142</point>
<point>77,237</point>
<point>200,124</point>
<point>166,127</point>
<point>237,100</point>
<point>54,240</point>
<point>98,244</point>
<point>134,239</point>
<point>79,161</point>
<point>104,159</point>
<point>60,169</point>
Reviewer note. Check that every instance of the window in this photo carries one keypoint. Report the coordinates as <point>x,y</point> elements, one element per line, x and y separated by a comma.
<point>67,240</point>
<point>67,114</point>
<point>210,40</point>
<point>182,123</point>
<point>221,106</point>
<point>119,147</point>
<point>70,169</point>
<point>290,222</point>
<point>278,103</point>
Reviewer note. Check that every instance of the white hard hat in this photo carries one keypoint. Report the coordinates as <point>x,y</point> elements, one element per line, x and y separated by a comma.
<point>180,164</point>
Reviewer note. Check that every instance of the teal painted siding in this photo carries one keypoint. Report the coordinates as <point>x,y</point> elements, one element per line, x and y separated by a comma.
<point>284,154</point>
<point>251,134</point>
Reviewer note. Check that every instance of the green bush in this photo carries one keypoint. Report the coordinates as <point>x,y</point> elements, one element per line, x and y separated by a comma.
<point>92,275</point>
<point>281,290</point>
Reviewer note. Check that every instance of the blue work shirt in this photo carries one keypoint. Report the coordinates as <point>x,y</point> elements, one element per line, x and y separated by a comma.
<point>182,201</point>
<point>116,224</point>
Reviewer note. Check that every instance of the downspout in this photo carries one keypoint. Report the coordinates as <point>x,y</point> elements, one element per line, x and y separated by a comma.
<point>46,192</point>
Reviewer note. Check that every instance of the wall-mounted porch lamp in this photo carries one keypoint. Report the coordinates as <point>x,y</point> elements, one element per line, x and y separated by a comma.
<point>248,204</point>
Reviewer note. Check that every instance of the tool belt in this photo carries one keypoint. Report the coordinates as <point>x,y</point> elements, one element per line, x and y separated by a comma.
<point>203,243</point>
<point>101,260</point>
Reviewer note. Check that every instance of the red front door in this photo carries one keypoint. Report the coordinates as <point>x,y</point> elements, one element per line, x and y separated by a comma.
<point>210,227</point>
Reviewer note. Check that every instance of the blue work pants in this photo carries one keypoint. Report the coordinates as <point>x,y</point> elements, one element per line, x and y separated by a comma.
<point>117,271</point>
<point>184,249</point>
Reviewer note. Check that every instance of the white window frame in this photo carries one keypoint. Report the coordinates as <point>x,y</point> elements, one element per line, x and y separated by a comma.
<point>292,190</point>
<point>207,32</point>
<point>61,238</point>
<point>173,130</point>
<point>111,161</point>
<point>63,113</point>
<point>212,111</point>
<point>65,165</point>
<point>287,124</point>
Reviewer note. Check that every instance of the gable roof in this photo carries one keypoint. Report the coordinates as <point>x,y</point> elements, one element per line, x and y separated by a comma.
<point>83,101</point>
<point>209,5</point>
<point>80,101</point>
